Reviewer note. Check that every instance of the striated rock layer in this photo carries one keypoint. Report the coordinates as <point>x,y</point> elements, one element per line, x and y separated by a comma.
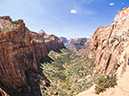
<point>111,45</point>
<point>109,42</point>
<point>122,88</point>
<point>19,51</point>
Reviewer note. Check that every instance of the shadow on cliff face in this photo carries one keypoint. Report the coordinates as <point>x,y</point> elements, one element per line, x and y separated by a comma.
<point>46,59</point>
<point>35,79</point>
<point>58,51</point>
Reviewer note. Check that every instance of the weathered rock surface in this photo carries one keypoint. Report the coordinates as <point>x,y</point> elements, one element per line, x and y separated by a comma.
<point>52,42</point>
<point>19,51</point>
<point>109,42</point>
<point>122,88</point>
<point>42,32</point>
<point>111,45</point>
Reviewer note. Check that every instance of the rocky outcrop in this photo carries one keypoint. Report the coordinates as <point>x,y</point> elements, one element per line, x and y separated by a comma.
<point>111,45</point>
<point>109,42</point>
<point>42,32</point>
<point>68,41</point>
<point>122,87</point>
<point>52,42</point>
<point>79,44</point>
<point>20,50</point>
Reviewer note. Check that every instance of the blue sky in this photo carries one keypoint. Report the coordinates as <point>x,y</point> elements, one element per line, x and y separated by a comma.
<point>68,18</point>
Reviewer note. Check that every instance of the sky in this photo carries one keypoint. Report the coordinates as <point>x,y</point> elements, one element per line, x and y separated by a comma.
<point>67,18</point>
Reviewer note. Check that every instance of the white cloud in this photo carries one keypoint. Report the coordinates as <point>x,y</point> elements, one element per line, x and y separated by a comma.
<point>111,4</point>
<point>122,3</point>
<point>73,11</point>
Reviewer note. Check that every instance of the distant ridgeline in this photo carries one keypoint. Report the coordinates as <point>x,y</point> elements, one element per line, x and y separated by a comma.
<point>75,45</point>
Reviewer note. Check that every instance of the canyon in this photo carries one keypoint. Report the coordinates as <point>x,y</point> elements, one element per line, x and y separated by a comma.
<point>32,61</point>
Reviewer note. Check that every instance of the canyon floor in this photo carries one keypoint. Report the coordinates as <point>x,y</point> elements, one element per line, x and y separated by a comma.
<point>68,73</point>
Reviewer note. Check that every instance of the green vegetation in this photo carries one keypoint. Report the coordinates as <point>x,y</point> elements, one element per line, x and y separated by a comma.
<point>105,82</point>
<point>78,47</point>
<point>48,39</point>
<point>68,73</point>
<point>63,73</point>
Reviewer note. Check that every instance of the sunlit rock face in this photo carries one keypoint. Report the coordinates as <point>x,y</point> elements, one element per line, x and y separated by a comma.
<point>109,42</point>
<point>20,50</point>
<point>111,45</point>
<point>52,42</point>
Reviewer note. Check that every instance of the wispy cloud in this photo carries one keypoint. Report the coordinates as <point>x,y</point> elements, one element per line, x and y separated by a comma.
<point>73,11</point>
<point>87,1</point>
<point>122,3</point>
<point>89,12</point>
<point>111,4</point>
<point>80,10</point>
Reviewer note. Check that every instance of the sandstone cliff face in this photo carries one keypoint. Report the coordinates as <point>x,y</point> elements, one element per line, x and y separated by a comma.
<point>19,51</point>
<point>52,42</point>
<point>111,45</point>
<point>122,88</point>
<point>109,42</point>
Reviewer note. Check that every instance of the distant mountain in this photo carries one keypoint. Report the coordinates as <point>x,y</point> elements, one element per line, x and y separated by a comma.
<point>77,43</point>
<point>67,41</point>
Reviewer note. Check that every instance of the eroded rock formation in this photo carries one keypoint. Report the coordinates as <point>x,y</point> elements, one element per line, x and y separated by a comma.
<point>111,45</point>
<point>19,51</point>
<point>52,42</point>
<point>109,42</point>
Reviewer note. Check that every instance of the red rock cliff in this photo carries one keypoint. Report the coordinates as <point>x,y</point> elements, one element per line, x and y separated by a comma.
<point>109,42</point>
<point>52,42</point>
<point>111,45</point>
<point>19,51</point>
